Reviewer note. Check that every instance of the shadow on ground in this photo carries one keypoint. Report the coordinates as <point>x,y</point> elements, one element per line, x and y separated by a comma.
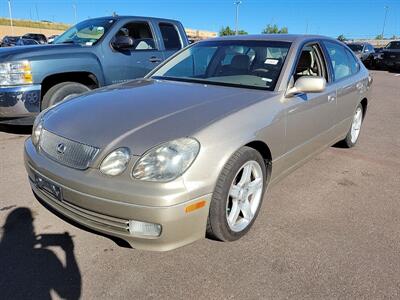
<point>29,269</point>
<point>16,129</point>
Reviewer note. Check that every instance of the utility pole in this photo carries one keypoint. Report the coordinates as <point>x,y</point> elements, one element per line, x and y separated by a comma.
<point>237,3</point>
<point>75,13</point>
<point>11,19</point>
<point>37,16</point>
<point>384,20</point>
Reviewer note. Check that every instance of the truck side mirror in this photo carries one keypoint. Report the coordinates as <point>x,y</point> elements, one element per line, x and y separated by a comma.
<point>122,43</point>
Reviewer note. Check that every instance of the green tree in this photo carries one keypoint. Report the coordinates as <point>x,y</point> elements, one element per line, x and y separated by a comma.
<point>379,37</point>
<point>394,37</point>
<point>228,31</point>
<point>273,28</point>
<point>342,38</point>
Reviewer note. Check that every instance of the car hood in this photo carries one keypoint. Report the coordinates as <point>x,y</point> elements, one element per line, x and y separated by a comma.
<point>29,51</point>
<point>143,113</point>
<point>391,51</point>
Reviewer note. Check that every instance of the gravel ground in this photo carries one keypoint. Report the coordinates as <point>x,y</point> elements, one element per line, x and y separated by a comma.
<point>331,229</point>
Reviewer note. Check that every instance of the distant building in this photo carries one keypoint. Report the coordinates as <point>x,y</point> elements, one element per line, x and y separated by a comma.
<point>195,35</point>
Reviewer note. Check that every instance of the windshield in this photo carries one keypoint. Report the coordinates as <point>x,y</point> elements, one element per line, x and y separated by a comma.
<point>85,33</point>
<point>251,64</point>
<point>393,45</point>
<point>355,47</point>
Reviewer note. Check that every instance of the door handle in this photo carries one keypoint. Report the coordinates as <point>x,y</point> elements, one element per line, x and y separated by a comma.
<point>331,97</point>
<point>154,59</point>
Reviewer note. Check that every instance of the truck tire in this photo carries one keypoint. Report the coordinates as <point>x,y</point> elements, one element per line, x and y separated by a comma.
<point>62,91</point>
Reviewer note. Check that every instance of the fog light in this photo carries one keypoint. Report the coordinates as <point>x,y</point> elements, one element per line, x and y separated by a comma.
<point>144,229</point>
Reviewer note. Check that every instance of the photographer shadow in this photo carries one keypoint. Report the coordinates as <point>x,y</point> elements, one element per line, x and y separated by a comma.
<point>29,270</point>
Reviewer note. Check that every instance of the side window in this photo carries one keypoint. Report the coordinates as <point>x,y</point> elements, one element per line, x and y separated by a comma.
<point>170,36</point>
<point>141,35</point>
<point>339,58</point>
<point>354,65</point>
<point>311,63</point>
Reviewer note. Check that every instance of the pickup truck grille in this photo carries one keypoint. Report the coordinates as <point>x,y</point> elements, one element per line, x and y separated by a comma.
<point>67,152</point>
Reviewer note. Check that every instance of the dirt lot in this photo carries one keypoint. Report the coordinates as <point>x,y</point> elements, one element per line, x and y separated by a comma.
<point>329,230</point>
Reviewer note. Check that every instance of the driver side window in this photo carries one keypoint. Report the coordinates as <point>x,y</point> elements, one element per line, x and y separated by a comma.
<point>311,63</point>
<point>141,35</point>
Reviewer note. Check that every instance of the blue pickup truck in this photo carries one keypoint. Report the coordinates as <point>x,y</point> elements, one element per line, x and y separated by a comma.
<point>93,53</point>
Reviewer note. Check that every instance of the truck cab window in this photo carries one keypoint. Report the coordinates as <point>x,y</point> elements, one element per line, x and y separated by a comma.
<point>141,35</point>
<point>170,36</point>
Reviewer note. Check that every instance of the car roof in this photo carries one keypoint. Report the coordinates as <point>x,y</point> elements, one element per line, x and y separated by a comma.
<point>271,37</point>
<point>117,18</point>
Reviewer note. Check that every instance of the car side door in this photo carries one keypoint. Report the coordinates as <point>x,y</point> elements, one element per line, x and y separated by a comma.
<point>346,80</point>
<point>310,117</point>
<point>136,61</point>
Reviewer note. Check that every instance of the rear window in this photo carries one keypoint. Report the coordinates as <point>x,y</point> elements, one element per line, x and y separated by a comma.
<point>170,36</point>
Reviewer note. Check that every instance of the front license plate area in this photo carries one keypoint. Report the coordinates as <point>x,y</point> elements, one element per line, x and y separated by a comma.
<point>49,187</point>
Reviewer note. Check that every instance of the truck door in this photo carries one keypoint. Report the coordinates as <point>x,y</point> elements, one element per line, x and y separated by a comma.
<point>136,62</point>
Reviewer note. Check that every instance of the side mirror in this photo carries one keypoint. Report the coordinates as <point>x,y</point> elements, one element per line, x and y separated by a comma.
<point>122,43</point>
<point>307,84</point>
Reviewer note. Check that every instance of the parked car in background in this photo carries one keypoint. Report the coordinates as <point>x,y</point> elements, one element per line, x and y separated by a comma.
<point>91,54</point>
<point>40,38</point>
<point>362,50</point>
<point>26,42</point>
<point>391,56</point>
<point>375,60</point>
<point>9,41</point>
<point>191,148</point>
<point>51,38</point>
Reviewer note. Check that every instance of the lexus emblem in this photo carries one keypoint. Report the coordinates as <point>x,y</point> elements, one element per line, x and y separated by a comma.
<point>61,148</point>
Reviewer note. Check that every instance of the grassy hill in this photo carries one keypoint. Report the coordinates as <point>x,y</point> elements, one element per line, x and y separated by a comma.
<point>35,24</point>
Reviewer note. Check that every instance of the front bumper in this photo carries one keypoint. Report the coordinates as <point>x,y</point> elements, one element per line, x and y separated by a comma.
<point>111,216</point>
<point>19,102</point>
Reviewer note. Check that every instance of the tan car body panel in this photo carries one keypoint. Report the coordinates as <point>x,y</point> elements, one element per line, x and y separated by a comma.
<point>294,129</point>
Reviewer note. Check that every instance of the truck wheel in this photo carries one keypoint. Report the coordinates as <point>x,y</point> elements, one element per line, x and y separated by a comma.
<point>62,91</point>
<point>237,196</point>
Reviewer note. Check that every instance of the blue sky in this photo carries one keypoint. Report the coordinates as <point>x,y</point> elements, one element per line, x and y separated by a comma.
<point>353,18</point>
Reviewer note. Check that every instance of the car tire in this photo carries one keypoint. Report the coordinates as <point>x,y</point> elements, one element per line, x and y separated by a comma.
<point>221,224</point>
<point>62,91</point>
<point>355,129</point>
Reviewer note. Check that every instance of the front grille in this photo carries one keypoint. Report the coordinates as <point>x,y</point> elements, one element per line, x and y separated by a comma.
<point>67,152</point>
<point>391,56</point>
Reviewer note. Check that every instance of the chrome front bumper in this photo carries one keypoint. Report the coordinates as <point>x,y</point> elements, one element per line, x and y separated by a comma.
<point>109,215</point>
<point>19,101</point>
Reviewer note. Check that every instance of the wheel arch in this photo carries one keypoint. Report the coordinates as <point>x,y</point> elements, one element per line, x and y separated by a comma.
<point>364,104</point>
<point>265,152</point>
<point>86,78</point>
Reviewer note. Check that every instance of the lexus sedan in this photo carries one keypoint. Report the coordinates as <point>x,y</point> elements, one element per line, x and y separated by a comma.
<point>189,150</point>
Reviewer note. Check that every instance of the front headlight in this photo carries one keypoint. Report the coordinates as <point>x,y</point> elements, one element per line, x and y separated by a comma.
<point>167,161</point>
<point>115,163</point>
<point>37,130</point>
<point>15,73</point>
